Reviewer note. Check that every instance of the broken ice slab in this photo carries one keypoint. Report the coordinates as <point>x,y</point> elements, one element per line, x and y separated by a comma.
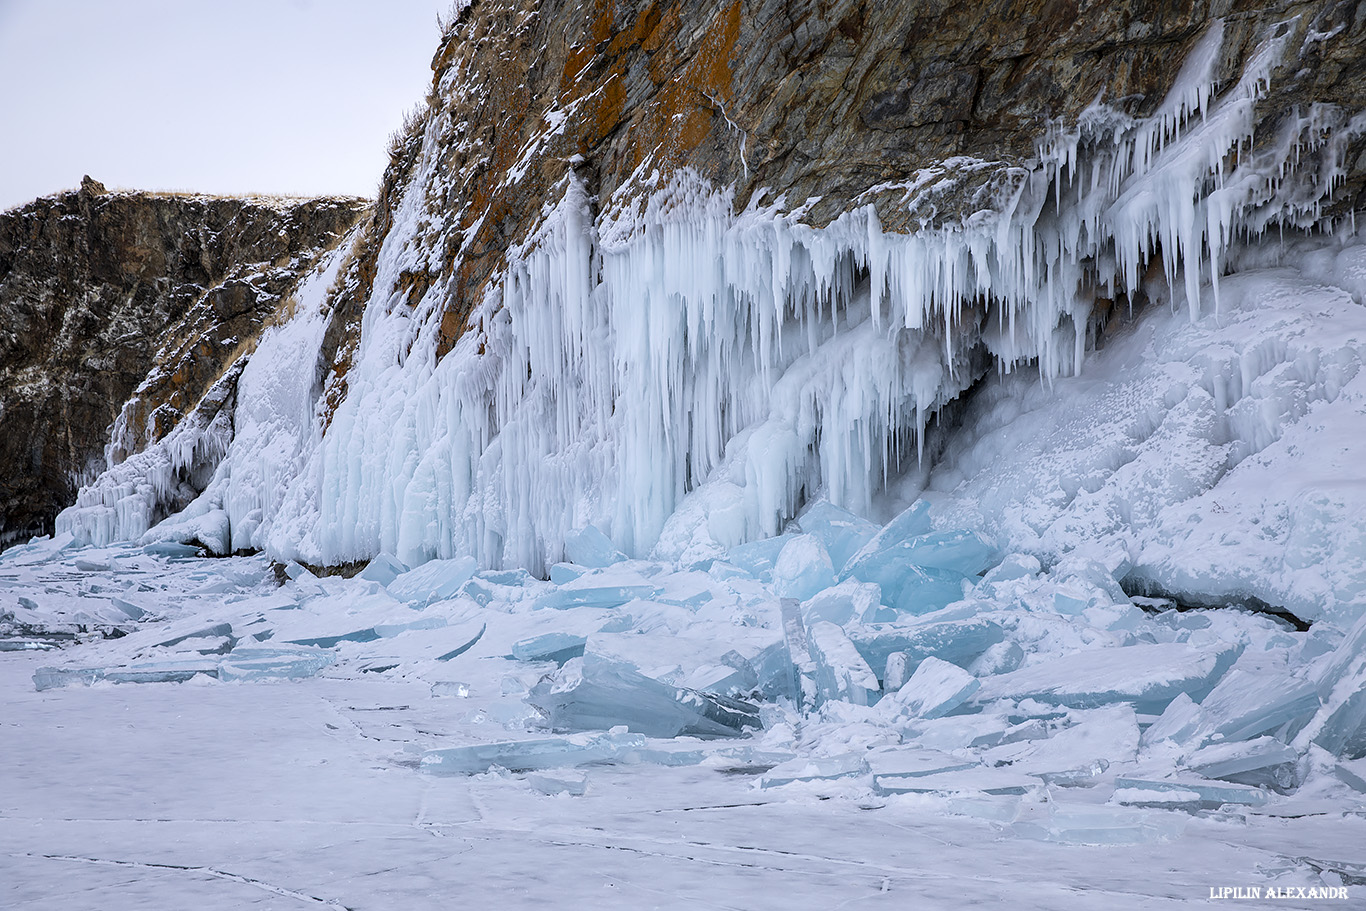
<point>592,693</point>
<point>957,732</point>
<point>848,765</point>
<point>909,523</point>
<point>1246,704</point>
<point>996,782</point>
<point>1093,825</point>
<point>842,532</point>
<point>905,587</point>
<point>560,781</point>
<point>558,647</point>
<point>272,664</point>
<point>561,573</point>
<point>443,644</point>
<point>849,602</point>
<point>758,557</point>
<point>436,580</point>
<point>913,762</point>
<point>1340,725</point>
<point>46,678</point>
<point>1108,734</point>
<point>365,634</point>
<point>1185,793</point>
<point>1080,777</point>
<point>216,632</point>
<point>588,546</point>
<point>1264,763</point>
<point>25,645</point>
<point>1149,676</point>
<point>582,593</point>
<point>803,568</point>
<point>173,550</point>
<point>1352,772</point>
<point>966,553</point>
<point>1000,658</point>
<point>841,674</point>
<point>955,641</point>
<point>383,569</point>
<point>1179,722</point>
<point>935,689</point>
<point>531,755</point>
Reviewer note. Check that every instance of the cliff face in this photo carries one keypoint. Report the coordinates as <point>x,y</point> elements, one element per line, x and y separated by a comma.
<point>676,270</point>
<point>829,105</point>
<point>121,310</point>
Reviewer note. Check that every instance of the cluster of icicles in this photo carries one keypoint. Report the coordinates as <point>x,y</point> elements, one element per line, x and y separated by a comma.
<point>683,377</point>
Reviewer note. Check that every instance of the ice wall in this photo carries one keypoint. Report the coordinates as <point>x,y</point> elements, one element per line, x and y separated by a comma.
<point>684,376</point>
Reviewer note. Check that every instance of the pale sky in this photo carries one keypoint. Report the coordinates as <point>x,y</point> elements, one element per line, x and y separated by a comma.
<point>218,96</point>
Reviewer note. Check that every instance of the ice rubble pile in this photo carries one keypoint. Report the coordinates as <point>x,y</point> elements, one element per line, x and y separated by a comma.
<point>840,657</point>
<point>684,377</point>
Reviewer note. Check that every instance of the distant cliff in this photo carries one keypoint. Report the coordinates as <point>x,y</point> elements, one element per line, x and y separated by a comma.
<point>119,311</point>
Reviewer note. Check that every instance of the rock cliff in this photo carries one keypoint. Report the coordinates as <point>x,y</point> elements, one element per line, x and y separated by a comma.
<point>119,311</point>
<point>676,270</point>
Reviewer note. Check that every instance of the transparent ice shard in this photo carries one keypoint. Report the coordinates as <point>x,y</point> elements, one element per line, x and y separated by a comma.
<point>588,546</point>
<point>1264,762</point>
<point>1149,676</point>
<point>559,781</point>
<point>844,604</point>
<point>591,693</point>
<point>559,647</point>
<point>842,532</point>
<point>1093,825</point>
<point>272,663</point>
<point>1185,793</point>
<point>802,569</point>
<point>826,768</point>
<point>529,755</point>
<point>955,641</point>
<point>1246,704</point>
<point>841,674</point>
<point>436,580</point>
<point>758,557</point>
<point>384,569</point>
<point>935,689</point>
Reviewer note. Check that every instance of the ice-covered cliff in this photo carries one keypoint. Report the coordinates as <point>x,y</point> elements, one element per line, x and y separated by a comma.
<point>677,272</point>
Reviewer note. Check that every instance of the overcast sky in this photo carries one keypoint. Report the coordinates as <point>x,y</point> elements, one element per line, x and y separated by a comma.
<point>220,96</point>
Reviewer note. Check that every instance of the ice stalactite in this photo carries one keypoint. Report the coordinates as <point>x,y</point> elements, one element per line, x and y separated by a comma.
<point>683,376</point>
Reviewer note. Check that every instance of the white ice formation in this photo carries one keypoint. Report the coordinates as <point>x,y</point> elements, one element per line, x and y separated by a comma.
<point>685,377</point>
